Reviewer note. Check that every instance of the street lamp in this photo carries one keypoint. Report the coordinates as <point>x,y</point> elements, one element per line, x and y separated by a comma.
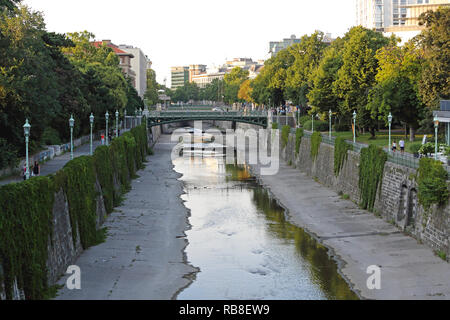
<point>71,124</point>
<point>117,123</point>
<point>436,125</point>
<point>390,122</point>
<point>91,120</point>
<point>106,134</point>
<point>330,115</point>
<point>26,130</point>
<point>354,126</point>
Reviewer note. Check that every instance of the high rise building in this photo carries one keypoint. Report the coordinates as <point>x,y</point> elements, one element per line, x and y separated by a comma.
<point>180,75</point>
<point>196,70</point>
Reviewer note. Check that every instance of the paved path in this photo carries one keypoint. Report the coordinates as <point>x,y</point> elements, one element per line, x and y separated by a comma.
<point>143,256</point>
<point>56,163</point>
<point>409,270</point>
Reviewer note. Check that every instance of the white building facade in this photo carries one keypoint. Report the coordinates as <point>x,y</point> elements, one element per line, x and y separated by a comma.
<point>139,64</point>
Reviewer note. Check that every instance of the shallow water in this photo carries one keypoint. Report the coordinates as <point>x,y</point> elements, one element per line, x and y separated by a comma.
<point>242,243</point>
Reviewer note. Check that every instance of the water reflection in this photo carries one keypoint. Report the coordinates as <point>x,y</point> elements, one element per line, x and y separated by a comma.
<point>242,243</point>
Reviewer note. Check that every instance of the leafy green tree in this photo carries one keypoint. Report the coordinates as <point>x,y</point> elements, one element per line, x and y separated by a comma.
<point>9,4</point>
<point>151,93</point>
<point>307,55</point>
<point>356,77</point>
<point>396,92</point>
<point>233,81</point>
<point>434,40</point>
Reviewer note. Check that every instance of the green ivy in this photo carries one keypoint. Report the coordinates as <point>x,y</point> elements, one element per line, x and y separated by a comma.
<point>274,125</point>
<point>298,139</point>
<point>25,228</point>
<point>285,130</point>
<point>432,183</point>
<point>340,154</point>
<point>27,209</point>
<point>371,169</point>
<point>316,139</point>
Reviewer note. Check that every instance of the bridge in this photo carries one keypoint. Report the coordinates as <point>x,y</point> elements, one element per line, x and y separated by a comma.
<point>157,118</point>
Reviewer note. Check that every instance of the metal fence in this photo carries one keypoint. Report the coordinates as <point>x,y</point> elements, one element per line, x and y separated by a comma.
<point>404,159</point>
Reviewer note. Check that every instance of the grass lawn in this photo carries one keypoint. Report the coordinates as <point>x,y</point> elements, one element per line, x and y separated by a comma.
<point>381,138</point>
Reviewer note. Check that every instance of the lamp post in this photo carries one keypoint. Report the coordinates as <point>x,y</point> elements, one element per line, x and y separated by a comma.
<point>354,126</point>
<point>117,123</point>
<point>125,119</point>
<point>330,115</point>
<point>71,124</point>
<point>436,125</point>
<point>106,134</point>
<point>26,130</point>
<point>390,122</point>
<point>91,120</point>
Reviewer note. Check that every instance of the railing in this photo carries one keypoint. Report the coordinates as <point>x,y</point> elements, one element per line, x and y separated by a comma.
<point>404,159</point>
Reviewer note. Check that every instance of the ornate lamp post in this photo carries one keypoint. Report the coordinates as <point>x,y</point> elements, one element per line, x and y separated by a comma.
<point>330,114</point>
<point>91,120</point>
<point>354,126</point>
<point>71,124</point>
<point>26,131</point>
<point>106,134</point>
<point>390,122</point>
<point>436,125</point>
<point>117,123</point>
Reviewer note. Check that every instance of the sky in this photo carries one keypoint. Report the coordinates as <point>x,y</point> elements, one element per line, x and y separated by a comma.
<point>184,32</point>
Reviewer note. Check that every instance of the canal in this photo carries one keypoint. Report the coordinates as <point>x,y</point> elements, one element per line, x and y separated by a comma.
<point>242,243</point>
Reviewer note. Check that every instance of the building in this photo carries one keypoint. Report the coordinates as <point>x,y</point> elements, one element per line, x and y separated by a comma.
<point>195,70</point>
<point>139,64</point>
<point>179,76</point>
<point>124,58</point>
<point>399,17</point>
<point>277,46</point>
<point>202,80</point>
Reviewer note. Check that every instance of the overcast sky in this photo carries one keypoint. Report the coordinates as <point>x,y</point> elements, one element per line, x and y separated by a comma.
<point>183,32</point>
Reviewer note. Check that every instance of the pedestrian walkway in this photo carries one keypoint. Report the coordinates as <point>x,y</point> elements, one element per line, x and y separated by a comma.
<point>57,162</point>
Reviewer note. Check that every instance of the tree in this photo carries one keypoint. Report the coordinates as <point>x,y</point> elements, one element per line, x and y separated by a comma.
<point>434,40</point>
<point>307,55</point>
<point>9,4</point>
<point>233,81</point>
<point>245,91</point>
<point>356,77</point>
<point>396,90</point>
<point>151,93</point>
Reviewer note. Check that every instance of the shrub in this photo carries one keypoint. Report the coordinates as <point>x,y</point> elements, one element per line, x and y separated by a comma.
<point>432,183</point>
<point>285,130</point>
<point>274,125</point>
<point>426,148</point>
<point>371,169</point>
<point>316,139</point>
<point>319,125</point>
<point>303,119</point>
<point>340,154</point>
<point>415,147</point>
<point>340,127</point>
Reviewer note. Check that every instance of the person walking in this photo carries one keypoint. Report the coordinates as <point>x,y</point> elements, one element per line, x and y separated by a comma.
<point>394,146</point>
<point>401,143</point>
<point>24,172</point>
<point>36,169</point>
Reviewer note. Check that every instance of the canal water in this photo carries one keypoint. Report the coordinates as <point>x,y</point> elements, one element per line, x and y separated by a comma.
<point>243,245</point>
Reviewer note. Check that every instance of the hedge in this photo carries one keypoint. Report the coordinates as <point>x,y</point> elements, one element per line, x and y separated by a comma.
<point>26,209</point>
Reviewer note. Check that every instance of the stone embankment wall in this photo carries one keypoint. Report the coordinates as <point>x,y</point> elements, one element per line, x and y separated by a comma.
<point>396,199</point>
<point>61,248</point>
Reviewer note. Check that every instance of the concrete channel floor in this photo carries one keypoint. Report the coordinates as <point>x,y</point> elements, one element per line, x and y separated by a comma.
<point>143,255</point>
<point>359,239</point>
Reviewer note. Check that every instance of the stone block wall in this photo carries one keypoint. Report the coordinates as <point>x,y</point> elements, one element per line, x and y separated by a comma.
<point>396,199</point>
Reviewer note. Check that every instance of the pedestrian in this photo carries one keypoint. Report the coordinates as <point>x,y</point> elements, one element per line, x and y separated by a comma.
<point>394,146</point>
<point>103,139</point>
<point>401,143</point>
<point>36,169</point>
<point>24,172</point>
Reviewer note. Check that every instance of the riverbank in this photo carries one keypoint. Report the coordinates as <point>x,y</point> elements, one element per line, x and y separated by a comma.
<point>143,256</point>
<point>358,239</point>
